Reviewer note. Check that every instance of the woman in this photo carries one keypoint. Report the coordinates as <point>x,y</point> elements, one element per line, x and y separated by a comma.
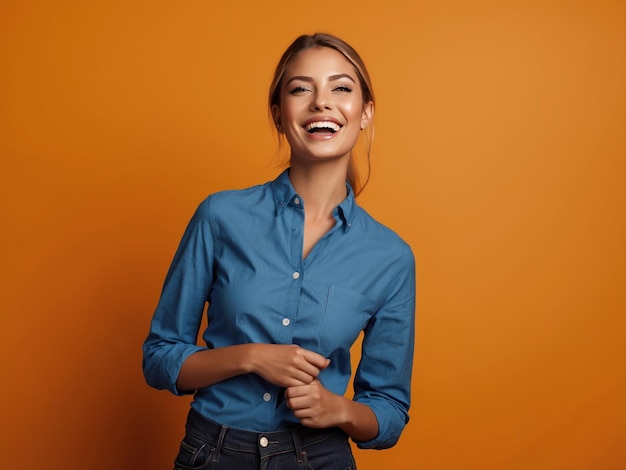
<point>292,271</point>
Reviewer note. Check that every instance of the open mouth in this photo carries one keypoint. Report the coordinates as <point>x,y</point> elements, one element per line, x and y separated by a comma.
<point>322,127</point>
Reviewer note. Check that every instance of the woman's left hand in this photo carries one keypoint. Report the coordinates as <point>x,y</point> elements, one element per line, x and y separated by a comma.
<point>314,405</point>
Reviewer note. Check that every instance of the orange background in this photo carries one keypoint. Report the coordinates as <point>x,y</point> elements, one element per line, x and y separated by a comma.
<point>500,156</point>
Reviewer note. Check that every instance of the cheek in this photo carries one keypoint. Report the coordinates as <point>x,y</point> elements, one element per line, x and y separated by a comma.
<point>289,113</point>
<point>354,110</point>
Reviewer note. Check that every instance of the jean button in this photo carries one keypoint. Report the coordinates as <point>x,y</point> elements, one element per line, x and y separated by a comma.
<point>263,441</point>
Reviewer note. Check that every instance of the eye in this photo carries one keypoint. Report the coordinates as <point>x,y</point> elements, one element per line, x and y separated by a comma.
<point>298,90</point>
<point>343,89</point>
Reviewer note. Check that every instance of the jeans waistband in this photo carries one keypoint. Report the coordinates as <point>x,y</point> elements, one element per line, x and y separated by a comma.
<point>261,443</point>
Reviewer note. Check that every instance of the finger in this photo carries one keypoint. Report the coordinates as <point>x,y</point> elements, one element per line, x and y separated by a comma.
<point>294,392</point>
<point>296,382</point>
<point>305,372</point>
<point>299,405</point>
<point>317,360</point>
<point>302,413</point>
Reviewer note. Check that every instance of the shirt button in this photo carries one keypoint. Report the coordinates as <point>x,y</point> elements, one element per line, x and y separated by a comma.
<point>296,201</point>
<point>286,321</point>
<point>295,275</point>
<point>263,442</point>
<point>267,396</point>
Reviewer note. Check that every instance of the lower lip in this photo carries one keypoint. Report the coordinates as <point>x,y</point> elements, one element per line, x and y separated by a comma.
<point>322,135</point>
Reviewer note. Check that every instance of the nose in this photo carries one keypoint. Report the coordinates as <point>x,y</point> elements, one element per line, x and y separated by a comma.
<point>320,101</point>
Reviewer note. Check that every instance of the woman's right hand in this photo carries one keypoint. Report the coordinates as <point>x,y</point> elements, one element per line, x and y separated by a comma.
<point>286,365</point>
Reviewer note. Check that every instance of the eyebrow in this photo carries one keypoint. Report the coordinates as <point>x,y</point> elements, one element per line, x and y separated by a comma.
<point>332,78</point>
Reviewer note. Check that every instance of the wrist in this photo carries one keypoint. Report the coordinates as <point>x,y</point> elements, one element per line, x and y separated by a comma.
<point>246,358</point>
<point>344,412</point>
<point>358,421</point>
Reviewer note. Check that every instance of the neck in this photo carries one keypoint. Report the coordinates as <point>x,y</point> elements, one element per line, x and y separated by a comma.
<point>322,186</point>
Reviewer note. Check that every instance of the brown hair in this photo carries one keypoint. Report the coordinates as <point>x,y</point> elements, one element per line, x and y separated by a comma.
<point>327,40</point>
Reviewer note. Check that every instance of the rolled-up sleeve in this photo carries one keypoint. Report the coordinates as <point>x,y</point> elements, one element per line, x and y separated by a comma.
<point>383,378</point>
<point>176,321</point>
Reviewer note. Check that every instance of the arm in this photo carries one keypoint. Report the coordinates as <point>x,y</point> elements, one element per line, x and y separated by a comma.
<point>176,320</point>
<point>282,365</point>
<point>173,361</point>
<point>383,377</point>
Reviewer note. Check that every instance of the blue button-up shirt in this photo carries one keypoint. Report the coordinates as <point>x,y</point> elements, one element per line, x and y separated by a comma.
<point>242,254</point>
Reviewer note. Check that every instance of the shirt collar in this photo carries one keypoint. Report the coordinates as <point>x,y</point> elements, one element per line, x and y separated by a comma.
<point>284,193</point>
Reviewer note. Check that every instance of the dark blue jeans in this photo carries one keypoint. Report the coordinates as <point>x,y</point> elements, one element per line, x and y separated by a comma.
<point>208,445</point>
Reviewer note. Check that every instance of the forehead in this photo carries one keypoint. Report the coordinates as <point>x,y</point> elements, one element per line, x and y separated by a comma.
<point>320,62</point>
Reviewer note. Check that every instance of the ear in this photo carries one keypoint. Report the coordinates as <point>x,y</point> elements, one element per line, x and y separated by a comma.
<point>367,115</point>
<point>276,117</point>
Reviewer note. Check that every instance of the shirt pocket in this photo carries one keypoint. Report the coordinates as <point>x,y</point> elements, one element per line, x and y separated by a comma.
<point>346,315</point>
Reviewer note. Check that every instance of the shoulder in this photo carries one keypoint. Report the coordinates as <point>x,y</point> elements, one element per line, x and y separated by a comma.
<point>381,235</point>
<point>222,203</point>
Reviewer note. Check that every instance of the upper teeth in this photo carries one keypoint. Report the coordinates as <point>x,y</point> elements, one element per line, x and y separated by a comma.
<point>323,124</point>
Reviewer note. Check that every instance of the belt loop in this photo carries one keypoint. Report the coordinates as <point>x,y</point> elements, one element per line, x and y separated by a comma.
<point>296,444</point>
<point>220,441</point>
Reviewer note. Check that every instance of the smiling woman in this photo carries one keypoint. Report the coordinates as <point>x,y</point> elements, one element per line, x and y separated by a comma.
<point>350,77</point>
<point>292,271</point>
<point>322,114</point>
